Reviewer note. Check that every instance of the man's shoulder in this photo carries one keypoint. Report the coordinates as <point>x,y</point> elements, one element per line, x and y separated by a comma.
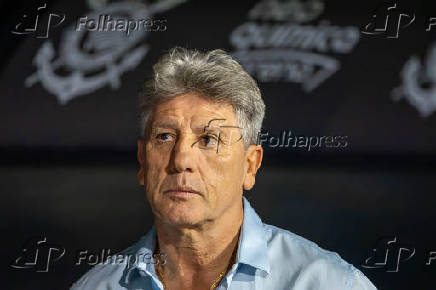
<point>292,245</point>
<point>308,263</point>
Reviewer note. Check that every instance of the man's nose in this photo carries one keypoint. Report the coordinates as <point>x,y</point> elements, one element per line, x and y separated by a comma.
<point>183,154</point>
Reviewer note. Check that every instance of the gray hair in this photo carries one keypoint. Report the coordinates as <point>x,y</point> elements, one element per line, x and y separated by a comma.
<point>213,74</point>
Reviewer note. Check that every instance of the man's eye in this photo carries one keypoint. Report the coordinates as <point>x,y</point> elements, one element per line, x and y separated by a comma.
<point>208,140</point>
<point>163,137</point>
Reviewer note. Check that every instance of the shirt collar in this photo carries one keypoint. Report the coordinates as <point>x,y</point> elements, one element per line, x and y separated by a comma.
<point>145,246</point>
<point>252,246</point>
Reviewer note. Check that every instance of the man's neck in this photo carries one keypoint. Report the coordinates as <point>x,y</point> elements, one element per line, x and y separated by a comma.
<point>203,252</point>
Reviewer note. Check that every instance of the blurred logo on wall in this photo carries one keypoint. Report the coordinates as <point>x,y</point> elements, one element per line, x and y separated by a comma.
<point>89,59</point>
<point>277,45</point>
<point>419,83</point>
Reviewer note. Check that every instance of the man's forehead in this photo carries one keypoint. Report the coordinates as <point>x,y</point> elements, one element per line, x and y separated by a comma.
<point>178,117</point>
<point>195,102</point>
<point>195,108</point>
<point>196,124</point>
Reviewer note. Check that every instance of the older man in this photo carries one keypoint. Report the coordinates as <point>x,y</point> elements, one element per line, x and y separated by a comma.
<point>200,115</point>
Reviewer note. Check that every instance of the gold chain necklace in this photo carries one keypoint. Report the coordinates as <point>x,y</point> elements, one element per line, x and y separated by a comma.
<point>214,283</point>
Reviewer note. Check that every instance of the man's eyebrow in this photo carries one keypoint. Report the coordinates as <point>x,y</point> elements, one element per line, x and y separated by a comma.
<point>203,129</point>
<point>165,124</point>
<point>208,126</point>
<point>173,125</point>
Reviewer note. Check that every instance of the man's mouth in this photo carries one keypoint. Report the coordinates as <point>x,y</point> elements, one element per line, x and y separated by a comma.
<point>182,191</point>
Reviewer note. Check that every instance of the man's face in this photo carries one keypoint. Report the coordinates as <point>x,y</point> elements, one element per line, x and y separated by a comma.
<point>192,142</point>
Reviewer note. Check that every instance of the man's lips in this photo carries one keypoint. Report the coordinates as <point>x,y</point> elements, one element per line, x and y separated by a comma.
<point>182,191</point>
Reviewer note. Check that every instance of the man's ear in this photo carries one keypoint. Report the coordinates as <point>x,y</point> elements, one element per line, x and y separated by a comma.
<point>141,160</point>
<point>253,160</point>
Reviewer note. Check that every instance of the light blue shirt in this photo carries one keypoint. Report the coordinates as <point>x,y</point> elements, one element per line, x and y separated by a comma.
<point>268,258</point>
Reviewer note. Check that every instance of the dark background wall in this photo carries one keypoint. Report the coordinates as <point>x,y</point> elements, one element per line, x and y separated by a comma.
<point>68,168</point>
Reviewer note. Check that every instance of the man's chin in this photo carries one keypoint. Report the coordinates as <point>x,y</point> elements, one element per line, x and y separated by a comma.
<point>183,221</point>
<point>184,224</point>
<point>183,215</point>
